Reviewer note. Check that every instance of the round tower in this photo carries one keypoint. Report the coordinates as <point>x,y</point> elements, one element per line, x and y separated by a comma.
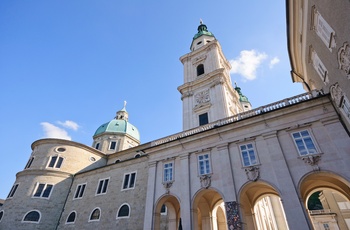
<point>39,193</point>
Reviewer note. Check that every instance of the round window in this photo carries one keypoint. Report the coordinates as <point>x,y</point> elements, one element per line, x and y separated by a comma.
<point>61,149</point>
<point>92,159</point>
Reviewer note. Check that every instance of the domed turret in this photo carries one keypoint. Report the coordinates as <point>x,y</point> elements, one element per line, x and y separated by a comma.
<point>117,134</point>
<point>243,99</point>
<point>202,37</point>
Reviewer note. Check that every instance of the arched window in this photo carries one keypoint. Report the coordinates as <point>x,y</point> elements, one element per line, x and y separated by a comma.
<point>71,217</point>
<point>137,155</point>
<point>97,146</point>
<point>1,214</point>
<point>32,216</point>
<point>124,211</point>
<point>117,161</point>
<point>200,69</point>
<point>95,215</point>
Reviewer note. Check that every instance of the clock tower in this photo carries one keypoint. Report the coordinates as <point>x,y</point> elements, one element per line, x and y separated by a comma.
<point>207,93</point>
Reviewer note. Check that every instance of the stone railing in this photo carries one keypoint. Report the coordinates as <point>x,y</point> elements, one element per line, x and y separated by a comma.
<point>238,117</point>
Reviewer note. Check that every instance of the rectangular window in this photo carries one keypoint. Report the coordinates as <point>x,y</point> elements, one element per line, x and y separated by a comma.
<point>129,180</point>
<point>79,192</point>
<point>13,190</point>
<point>102,186</point>
<point>248,155</point>
<point>204,164</point>
<point>29,163</point>
<point>43,190</point>
<point>319,66</point>
<point>304,143</point>
<point>323,29</point>
<point>326,226</point>
<point>55,162</point>
<point>345,106</point>
<point>168,172</point>
<point>112,145</point>
<point>203,119</point>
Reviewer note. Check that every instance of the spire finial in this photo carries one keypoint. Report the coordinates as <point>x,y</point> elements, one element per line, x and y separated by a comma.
<point>124,104</point>
<point>235,84</point>
<point>200,21</point>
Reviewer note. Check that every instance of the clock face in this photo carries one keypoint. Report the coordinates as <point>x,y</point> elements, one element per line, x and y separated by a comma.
<point>202,97</point>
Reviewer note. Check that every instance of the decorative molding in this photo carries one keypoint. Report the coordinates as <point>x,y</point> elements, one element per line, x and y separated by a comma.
<point>186,94</point>
<point>344,59</point>
<point>167,186</point>
<point>219,81</point>
<point>205,181</point>
<point>253,173</point>
<point>312,160</point>
<point>199,59</point>
<point>232,215</point>
<point>336,93</point>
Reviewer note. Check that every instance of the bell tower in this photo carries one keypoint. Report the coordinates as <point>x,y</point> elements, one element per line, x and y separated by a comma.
<point>207,93</point>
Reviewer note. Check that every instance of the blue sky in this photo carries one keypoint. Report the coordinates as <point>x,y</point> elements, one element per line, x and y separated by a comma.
<point>66,67</point>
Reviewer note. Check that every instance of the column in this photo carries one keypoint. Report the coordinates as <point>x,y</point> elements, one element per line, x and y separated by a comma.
<point>149,217</point>
<point>185,205</point>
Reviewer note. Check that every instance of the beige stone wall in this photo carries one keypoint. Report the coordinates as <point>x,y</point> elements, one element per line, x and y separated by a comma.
<point>110,202</point>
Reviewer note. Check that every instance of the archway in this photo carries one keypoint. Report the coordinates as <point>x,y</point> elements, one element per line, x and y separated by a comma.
<point>209,211</point>
<point>167,213</point>
<point>261,207</point>
<point>326,197</point>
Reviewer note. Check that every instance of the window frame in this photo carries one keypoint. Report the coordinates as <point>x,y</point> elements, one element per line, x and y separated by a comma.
<point>110,145</point>
<point>204,160</point>
<point>103,186</point>
<point>99,217</point>
<point>317,151</point>
<point>2,213</point>
<point>75,217</point>
<point>78,194</point>
<point>58,158</point>
<point>29,163</point>
<point>165,171</point>
<point>13,191</point>
<point>120,207</point>
<point>42,191</point>
<point>97,145</point>
<point>206,118</point>
<point>253,147</point>
<point>345,107</point>
<point>35,222</point>
<point>129,180</point>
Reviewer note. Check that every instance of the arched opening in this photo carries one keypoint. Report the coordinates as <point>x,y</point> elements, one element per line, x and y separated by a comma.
<point>209,211</point>
<point>200,69</point>
<point>261,207</point>
<point>327,200</point>
<point>167,213</point>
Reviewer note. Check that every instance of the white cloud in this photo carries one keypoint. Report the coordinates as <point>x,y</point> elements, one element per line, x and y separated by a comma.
<point>52,131</point>
<point>69,124</point>
<point>247,63</point>
<point>273,62</point>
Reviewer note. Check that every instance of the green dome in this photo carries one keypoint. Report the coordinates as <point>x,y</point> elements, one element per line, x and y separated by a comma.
<point>118,126</point>
<point>203,30</point>
<point>242,98</point>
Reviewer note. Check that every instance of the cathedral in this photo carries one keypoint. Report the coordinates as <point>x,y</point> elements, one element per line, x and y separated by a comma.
<point>278,166</point>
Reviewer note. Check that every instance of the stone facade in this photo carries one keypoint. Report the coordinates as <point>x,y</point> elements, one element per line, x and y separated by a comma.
<point>228,173</point>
